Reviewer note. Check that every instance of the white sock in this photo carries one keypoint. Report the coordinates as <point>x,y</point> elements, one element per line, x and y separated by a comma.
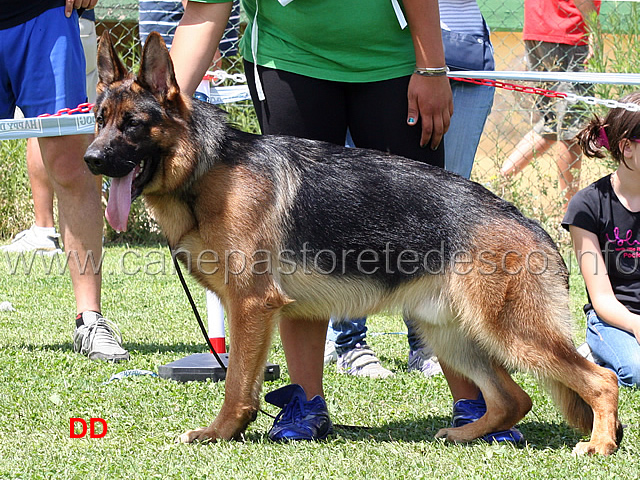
<point>46,231</point>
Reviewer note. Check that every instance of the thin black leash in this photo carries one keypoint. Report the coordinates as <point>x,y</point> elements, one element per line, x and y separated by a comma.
<point>185,287</point>
<point>196,313</point>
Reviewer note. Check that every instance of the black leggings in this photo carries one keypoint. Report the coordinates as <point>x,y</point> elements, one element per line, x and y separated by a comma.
<point>375,113</point>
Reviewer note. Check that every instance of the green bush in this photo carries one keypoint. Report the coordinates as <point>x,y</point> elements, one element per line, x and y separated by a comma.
<point>618,41</point>
<point>16,207</point>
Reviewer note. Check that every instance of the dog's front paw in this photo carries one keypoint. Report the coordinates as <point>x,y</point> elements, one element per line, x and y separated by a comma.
<point>204,435</point>
<point>590,448</point>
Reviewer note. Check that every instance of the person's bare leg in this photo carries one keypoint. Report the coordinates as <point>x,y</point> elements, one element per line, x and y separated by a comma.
<point>303,342</point>
<point>41,189</point>
<point>461,387</point>
<point>569,161</point>
<point>80,213</point>
<point>531,145</point>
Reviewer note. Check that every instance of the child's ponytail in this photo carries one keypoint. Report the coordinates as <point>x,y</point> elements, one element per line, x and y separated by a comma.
<point>607,134</point>
<point>593,138</point>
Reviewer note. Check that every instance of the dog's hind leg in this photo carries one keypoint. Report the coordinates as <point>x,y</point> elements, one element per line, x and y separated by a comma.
<point>541,344</point>
<point>522,320</point>
<point>252,320</point>
<point>506,402</point>
<point>587,395</point>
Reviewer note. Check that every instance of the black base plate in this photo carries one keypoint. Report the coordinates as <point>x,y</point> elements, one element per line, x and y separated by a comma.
<point>202,366</point>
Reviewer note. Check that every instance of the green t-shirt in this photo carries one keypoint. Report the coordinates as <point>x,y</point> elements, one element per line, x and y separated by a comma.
<point>338,40</point>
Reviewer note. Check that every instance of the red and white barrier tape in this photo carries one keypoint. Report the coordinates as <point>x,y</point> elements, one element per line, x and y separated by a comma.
<point>569,97</point>
<point>79,120</point>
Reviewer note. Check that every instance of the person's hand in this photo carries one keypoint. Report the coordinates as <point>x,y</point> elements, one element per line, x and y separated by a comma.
<point>431,106</point>
<point>70,5</point>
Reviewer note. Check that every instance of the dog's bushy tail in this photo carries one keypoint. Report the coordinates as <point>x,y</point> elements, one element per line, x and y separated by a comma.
<point>576,411</point>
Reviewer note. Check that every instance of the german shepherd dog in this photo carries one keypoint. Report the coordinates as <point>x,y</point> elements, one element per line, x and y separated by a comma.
<point>340,232</point>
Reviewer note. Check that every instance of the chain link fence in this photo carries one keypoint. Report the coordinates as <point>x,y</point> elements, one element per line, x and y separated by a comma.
<point>535,190</point>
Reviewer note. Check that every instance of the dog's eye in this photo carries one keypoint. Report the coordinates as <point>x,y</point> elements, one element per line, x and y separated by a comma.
<point>100,121</point>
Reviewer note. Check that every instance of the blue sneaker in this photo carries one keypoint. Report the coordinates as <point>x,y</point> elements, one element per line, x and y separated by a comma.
<point>468,411</point>
<point>299,419</point>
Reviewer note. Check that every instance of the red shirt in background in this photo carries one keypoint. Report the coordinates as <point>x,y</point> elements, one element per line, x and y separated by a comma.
<point>556,21</point>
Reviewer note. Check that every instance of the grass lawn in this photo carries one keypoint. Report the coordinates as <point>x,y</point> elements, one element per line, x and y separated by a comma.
<point>43,384</point>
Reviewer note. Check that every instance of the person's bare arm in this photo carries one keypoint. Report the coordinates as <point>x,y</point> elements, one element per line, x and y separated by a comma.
<point>429,98</point>
<point>586,7</point>
<point>196,41</point>
<point>590,15</point>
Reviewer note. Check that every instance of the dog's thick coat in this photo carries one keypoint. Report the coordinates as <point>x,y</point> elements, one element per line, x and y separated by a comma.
<point>282,227</point>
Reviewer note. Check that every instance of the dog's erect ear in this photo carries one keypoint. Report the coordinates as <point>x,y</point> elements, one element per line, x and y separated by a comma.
<point>110,67</point>
<point>156,71</point>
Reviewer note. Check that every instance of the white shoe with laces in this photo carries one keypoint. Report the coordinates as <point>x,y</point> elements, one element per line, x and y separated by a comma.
<point>362,362</point>
<point>99,339</point>
<point>423,360</point>
<point>41,240</point>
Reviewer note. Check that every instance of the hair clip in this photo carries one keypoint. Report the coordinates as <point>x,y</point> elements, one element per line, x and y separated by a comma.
<point>603,140</point>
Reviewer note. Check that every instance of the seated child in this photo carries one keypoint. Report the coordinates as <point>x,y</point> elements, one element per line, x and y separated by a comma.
<point>604,222</point>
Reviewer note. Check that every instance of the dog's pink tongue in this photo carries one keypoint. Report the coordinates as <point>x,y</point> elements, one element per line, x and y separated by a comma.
<point>119,203</point>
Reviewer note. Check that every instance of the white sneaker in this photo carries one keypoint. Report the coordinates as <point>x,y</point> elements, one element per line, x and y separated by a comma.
<point>423,360</point>
<point>99,339</point>
<point>37,239</point>
<point>362,362</point>
<point>330,353</point>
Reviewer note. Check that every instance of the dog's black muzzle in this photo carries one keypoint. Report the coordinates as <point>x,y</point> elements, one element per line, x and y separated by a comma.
<point>100,162</point>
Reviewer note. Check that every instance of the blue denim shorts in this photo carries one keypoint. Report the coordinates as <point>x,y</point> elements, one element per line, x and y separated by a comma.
<point>614,349</point>
<point>42,65</point>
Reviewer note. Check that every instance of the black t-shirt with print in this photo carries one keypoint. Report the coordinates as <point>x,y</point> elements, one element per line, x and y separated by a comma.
<point>597,209</point>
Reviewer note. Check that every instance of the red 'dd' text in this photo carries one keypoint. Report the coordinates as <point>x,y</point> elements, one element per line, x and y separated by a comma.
<point>84,428</point>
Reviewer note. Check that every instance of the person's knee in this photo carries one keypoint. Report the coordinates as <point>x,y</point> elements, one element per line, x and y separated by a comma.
<point>64,160</point>
<point>629,375</point>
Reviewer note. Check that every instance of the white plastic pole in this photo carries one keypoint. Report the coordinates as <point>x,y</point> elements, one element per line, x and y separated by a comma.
<point>215,316</point>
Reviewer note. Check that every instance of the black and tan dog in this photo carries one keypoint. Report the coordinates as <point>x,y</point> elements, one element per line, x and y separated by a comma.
<point>303,230</point>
